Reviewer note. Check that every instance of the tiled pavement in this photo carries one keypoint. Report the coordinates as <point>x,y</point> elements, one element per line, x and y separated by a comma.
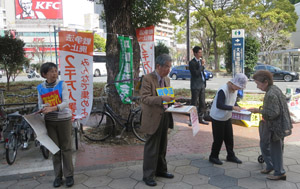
<point>121,166</point>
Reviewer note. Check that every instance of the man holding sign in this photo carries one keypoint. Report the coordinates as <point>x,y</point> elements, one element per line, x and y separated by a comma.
<point>155,121</point>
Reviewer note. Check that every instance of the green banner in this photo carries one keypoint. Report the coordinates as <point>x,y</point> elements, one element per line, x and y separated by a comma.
<point>125,88</point>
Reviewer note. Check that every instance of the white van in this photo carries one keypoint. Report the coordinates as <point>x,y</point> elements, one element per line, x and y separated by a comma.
<point>99,64</point>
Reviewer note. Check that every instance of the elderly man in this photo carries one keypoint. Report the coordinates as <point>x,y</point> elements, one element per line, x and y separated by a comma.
<point>155,121</point>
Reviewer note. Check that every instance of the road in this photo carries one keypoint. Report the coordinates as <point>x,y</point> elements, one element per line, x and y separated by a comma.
<point>212,84</point>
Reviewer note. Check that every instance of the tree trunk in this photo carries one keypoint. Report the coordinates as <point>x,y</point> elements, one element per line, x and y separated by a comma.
<point>118,22</point>
<point>216,54</point>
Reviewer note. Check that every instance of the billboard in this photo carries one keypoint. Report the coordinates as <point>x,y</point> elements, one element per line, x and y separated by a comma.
<point>38,9</point>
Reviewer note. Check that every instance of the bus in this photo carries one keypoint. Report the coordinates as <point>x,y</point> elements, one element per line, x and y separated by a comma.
<point>99,64</point>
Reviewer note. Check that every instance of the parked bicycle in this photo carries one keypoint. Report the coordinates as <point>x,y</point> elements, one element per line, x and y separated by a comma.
<point>20,133</point>
<point>102,123</point>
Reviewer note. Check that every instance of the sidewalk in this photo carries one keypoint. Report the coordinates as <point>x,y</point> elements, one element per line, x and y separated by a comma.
<point>100,166</point>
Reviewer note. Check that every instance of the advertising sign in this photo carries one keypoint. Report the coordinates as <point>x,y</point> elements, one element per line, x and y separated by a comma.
<point>76,59</point>
<point>238,51</point>
<point>38,9</point>
<point>145,38</point>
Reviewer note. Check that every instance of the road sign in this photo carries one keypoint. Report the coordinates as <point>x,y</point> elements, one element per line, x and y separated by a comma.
<point>238,52</point>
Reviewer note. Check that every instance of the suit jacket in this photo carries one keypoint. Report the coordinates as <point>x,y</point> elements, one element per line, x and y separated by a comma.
<point>152,107</point>
<point>196,79</point>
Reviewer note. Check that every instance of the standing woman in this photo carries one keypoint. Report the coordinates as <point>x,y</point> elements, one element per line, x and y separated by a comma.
<point>221,113</point>
<point>54,103</point>
<point>277,124</point>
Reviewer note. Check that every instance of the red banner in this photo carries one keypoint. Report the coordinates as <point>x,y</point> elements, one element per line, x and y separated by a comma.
<point>39,9</point>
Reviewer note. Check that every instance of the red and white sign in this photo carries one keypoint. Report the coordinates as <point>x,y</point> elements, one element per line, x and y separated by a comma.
<point>145,38</point>
<point>76,59</point>
<point>39,9</point>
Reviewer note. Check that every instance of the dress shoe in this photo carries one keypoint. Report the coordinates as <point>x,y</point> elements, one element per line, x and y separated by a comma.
<point>203,121</point>
<point>266,171</point>
<point>215,161</point>
<point>69,181</point>
<point>234,159</point>
<point>149,181</point>
<point>165,175</point>
<point>279,177</point>
<point>57,182</point>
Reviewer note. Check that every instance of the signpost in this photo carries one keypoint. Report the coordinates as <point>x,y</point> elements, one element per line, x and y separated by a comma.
<point>238,51</point>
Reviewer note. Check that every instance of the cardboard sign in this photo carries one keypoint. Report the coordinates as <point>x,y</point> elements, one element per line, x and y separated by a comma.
<point>166,91</point>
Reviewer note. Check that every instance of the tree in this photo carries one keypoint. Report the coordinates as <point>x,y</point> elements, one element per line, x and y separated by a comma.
<point>12,55</point>
<point>99,43</point>
<point>39,50</point>
<point>294,1</point>
<point>161,48</point>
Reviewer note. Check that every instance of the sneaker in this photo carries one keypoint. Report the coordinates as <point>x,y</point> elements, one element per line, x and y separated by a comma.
<point>234,159</point>
<point>69,181</point>
<point>215,161</point>
<point>57,182</point>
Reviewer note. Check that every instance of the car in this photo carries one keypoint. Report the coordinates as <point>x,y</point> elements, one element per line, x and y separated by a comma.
<point>184,73</point>
<point>278,74</point>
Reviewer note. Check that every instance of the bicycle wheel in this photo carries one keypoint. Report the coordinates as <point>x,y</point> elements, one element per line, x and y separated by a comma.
<point>136,125</point>
<point>99,126</point>
<point>45,152</point>
<point>11,148</point>
<point>76,137</point>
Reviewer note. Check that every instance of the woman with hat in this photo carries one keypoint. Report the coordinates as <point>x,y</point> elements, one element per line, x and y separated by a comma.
<point>221,112</point>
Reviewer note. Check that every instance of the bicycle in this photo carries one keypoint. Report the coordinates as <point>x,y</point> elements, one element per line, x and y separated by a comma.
<point>20,134</point>
<point>77,128</point>
<point>101,123</point>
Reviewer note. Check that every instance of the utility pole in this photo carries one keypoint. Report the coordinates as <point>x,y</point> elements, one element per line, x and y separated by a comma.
<point>55,45</point>
<point>188,31</point>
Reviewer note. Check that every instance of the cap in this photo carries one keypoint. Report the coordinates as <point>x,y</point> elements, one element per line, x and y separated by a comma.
<point>240,80</point>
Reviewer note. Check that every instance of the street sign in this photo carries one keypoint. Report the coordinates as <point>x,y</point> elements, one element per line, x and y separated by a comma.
<point>238,51</point>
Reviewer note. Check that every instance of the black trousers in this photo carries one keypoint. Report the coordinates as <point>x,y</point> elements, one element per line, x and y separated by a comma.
<point>155,149</point>
<point>198,100</point>
<point>222,131</point>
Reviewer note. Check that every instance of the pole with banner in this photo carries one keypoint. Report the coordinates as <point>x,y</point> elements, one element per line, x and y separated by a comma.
<point>238,54</point>
<point>145,37</point>
<point>125,70</point>
<point>76,59</point>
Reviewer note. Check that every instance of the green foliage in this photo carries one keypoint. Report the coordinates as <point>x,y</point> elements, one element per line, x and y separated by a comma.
<point>11,55</point>
<point>161,48</point>
<point>148,12</point>
<point>99,43</point>
<point>294,1</point>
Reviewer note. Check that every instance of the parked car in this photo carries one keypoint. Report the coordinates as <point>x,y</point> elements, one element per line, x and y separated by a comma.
<point>184,73</point>
<point>278,74</point>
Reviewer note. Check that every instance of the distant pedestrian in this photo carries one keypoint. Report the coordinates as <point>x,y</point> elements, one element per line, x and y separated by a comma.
<point>221,113</point>
<point>198,83</point>
<point>276,124</point>
<point>53,100</point>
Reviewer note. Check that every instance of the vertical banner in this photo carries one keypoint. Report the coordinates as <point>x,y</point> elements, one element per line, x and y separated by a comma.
<point>145,38</point>
<point>125,70</point>
<point>76,59</point>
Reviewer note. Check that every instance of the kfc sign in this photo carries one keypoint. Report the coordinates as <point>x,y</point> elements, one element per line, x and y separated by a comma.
<point>38,9</point>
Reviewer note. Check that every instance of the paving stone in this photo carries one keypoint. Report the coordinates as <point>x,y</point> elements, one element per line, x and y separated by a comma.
<point>234,187</point>
<point>137,175</point>
<point>201,163</point>
<point>237,173</point>
<point>252,183</point>
<point>281,185</point>
<point>249,153</point>
<point>294,168</point>
<point>289,161</point>
<point>120,173</point>
<point>98,172</point>
<point>80,178</point>
<point>177,178</point>
<point>123,183</point>
<point>211,171</point>
<point>135,167</point>
<point>257,175</point>
<point>7,183</point>
<point>227,165</point>
<point>250,166</point>
<point>45,186</point>
<point>195,179</point>
<point>187,169</point>
<point>180,162</point>
<point>177,185</point>
<point>293,177</point>
<point>45,179</point>
<point>24,184</point>
<point>142,185</point>
<point>205,186</point>
<point>223,181</point>
<point>97,181</point>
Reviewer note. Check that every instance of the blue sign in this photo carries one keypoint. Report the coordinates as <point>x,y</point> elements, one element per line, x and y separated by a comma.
<point>238,51</point>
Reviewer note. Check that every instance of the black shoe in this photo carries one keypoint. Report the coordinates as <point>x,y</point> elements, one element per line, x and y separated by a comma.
<point>165,175</point>
<point>149,181</point>
<point>57,182</point>
<point>234,159</point>
<point>69,181</point>
<point>203,121</point>
<point>215,161</point>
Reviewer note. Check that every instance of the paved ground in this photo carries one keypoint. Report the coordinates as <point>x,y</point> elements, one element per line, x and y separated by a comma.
<point>120,166</point>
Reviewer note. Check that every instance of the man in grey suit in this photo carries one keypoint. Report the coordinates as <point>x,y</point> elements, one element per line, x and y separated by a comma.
<point>198,83</point>
<point>155,121</point>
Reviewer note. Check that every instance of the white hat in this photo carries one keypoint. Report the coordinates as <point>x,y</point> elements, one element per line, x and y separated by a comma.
<point>240,80</point>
